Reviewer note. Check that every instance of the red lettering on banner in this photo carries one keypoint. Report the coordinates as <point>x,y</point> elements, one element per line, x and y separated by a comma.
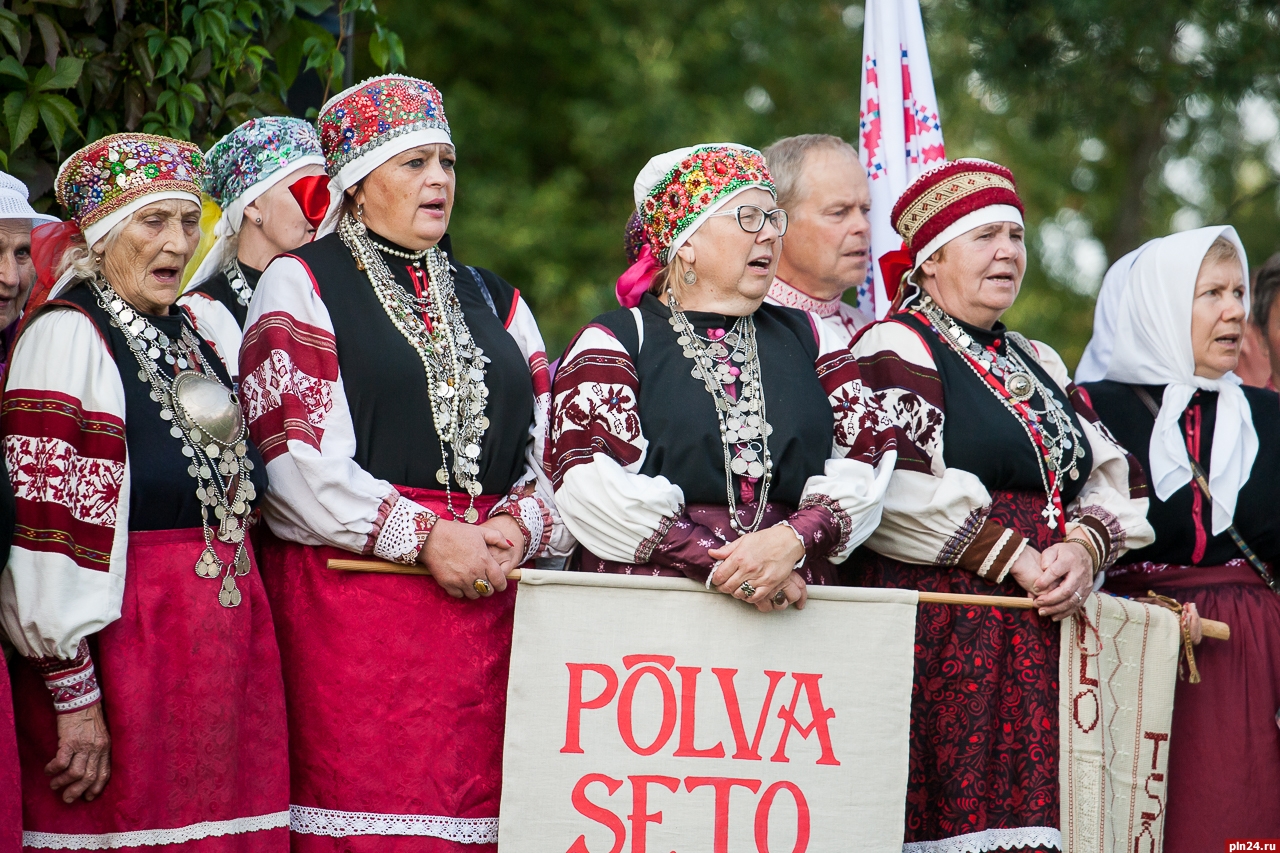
<point>1157,738</point>
<point>640,816</point>
<point>722,785</point>
<point>573,725</point>
<point>599,814</point>
<point>725,677</point>
<point>688,706</point>
<point>808,682</point>
<point>625,699</point>
<point>1084,658</point>
<point>802,817</point>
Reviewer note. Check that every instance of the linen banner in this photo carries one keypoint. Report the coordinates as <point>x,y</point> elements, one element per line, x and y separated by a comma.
<point>650,714</point>
<point>1118,669</point>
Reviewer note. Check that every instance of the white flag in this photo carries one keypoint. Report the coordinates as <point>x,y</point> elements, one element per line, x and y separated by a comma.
<point>896,146</point>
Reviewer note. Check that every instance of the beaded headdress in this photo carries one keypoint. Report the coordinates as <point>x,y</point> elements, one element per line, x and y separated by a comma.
<point>108,180</point>
<point>675,192</point>
<point>255,151</point>
<point>951,199</point>
<point>364,126</point>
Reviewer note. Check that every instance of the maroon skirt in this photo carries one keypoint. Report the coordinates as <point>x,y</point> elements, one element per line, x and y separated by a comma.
<point>984,703</point>
<point>1224,751</point>
<point>194,703</point>
<point>397,702</point>
<point>10,786</point>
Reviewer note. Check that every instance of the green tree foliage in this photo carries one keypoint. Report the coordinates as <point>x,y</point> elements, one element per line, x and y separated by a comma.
<point>72,71</point>
<point>1121,121</point>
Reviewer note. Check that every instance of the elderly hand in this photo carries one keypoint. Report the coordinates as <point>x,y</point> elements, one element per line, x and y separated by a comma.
<point>457,555</point>
<point>765,559</point>
<point>507,554</point>
<point>1026,570</point>
<point>1065,582</point>
<point>83,762</point>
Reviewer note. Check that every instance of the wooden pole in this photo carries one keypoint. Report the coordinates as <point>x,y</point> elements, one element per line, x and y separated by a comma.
<point>1210,627</point>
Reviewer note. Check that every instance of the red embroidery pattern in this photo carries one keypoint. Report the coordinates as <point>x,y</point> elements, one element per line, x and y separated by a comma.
<point>286,390</point>
<point>596,411</point>
<point>67,468</point>
<point>862,428</point>
<point>984,705</point>
<point>73,684</point>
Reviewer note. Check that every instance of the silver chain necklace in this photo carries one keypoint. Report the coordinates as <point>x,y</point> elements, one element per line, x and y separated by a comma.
<point>454,365</point>
<point>239,284</point>
<point>744,430</point>
<point>206,417</point>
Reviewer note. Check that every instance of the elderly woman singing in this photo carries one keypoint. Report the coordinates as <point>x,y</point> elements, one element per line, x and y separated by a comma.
<point>399,397</point>
<point>1006,487</point>
<point>1171,396</point>
<point>149,699</point>
<point>700,432</point>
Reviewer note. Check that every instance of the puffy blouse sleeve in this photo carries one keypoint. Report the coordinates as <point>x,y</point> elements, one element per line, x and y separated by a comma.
<point>933,514</point>
<point>531,501</point>
<point>217,326</point>
<point>292,394</point>
<point>62,418</point>
<point>1112,506</point>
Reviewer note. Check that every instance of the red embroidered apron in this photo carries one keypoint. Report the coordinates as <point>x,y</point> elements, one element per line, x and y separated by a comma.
<point>397,702</point>
<point>194,704</point>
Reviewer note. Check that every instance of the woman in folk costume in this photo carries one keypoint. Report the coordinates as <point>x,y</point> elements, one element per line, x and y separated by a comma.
<point>251,171</point>
<point>400,400</point>
<point>1171,397</point>
<point>1007,488</point>
<point>700,432</point>
<point>149,700</point>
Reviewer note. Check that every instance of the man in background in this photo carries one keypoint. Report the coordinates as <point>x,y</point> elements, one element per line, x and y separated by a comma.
<point>823,187</point>
<point>1260,355</point>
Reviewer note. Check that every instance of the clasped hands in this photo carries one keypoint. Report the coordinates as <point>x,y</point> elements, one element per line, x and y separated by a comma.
<point>765,562</point>
<point>1058,580</point>
<point>460,555</point>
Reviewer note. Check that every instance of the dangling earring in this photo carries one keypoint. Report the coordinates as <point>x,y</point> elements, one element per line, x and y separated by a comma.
<point>690,278</point>
<point>360,218</point>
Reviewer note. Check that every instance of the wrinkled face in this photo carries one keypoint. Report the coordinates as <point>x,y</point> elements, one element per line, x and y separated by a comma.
<point>17,272</point>
<point>145,263</point>
<point>829,238</point>
<point>409,198</point>
<point>732,263</point>
<point>282,224</point>
<point>1217,318</point>
<point>977,275</point>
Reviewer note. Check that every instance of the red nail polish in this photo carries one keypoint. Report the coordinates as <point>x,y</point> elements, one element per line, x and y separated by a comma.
<point>510,544</point>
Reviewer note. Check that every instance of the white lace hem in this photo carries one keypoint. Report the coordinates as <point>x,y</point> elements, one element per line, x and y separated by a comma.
<point>990,839</point>
<point>308,820</point>
<point>152,837</point>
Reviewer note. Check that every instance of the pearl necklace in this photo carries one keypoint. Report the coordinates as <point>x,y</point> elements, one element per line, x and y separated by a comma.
<point>206,418</point>
<point>239,284</point>
<point>1015,385</point>
<point>744,431</point>
<point>416,257</point>
<point>454,365</point>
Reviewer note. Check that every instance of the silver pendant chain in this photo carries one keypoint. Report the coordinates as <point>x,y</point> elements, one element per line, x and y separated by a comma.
<point>239,284</point>
<point>1063,446</point>
<point>744,430</point>
<point>212,432</point>
<point>454,365</point>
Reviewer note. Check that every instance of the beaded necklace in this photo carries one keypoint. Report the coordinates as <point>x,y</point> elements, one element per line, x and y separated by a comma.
<point>719,360</point>
<point>1015,385</point>
<point>433,324</point>
<point>206,418</point>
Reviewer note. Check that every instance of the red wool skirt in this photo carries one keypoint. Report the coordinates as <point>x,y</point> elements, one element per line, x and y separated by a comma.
<point>984,705</point>
<point>194,704</point>
<point>1224,751</point>
<point>397,702</point>
<point>10,786</point>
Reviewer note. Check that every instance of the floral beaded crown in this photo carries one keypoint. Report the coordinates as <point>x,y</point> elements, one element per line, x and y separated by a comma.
<point>114,173</point>
<point>356,123</point>
<point>676,191</point>
<point>255,151</point>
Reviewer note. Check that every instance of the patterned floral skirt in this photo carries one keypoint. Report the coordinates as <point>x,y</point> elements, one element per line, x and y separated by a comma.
<point>1224,750</point>
<point>984,705</point>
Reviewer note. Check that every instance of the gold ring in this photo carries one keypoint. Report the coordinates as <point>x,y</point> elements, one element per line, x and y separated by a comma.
<point>482,586</point>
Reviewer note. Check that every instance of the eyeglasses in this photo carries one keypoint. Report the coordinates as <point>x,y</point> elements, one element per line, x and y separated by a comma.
<point>751,218</point>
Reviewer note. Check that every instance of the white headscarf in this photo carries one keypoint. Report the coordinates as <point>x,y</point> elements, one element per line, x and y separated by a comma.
<point>1153,347</point>
<point>1097,354</point>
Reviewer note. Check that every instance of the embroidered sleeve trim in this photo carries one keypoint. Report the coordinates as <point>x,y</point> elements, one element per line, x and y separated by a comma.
<point>644,551</point>
<point>155,837</point>
<point>532,516</point>
<point>842,519</point>
<point>595,410</point>
<point>957,543</point>
<point>308,820</point>
<point>988,840</point>
<point>1013,558</point>
<point>73,684</point>
<point>405,532</point>
<point>992,551</point>
<point>387,504</point>
<point>1106,527</point>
